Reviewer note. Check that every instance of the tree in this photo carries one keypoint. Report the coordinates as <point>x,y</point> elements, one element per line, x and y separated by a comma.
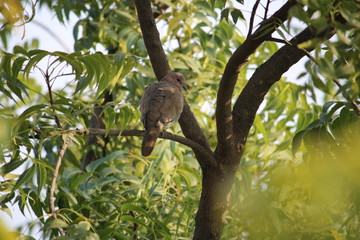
<point>116,194</point>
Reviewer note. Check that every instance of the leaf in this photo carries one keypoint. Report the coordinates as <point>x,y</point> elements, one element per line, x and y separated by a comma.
<point>109,117</point>
<point>18,49</point>
<point>36,205</point>
<point>260,127</point>
<point>33,61</point>
<point>12,165</point>
<point>225,14</point>
<point>25,177</point>
<point>70,59</point>
<point>131,207</point>
<point>236,14</point>
<point>29,111</point>
<point>41,177</point>
<point>56,223</point>
<point>94,165</point>
<point>17,65</point>
<point>6,63</point>
<point>82,83</point>
<point>132,219</point>
<point>128,66</point>
<point>125,117</point>
<point>297,140</point>
<point>79,179</point>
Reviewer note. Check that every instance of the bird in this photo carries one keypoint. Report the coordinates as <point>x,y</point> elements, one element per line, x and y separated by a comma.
<point>161,106</point>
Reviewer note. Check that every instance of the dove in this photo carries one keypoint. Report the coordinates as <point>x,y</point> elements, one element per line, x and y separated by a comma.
<point>161,106</point>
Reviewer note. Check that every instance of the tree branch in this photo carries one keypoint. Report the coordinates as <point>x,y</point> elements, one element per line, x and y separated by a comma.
<point>267,9</point>
<point>55,175</point>
<point>253,13</point>
<point>229,78</point>
<point>189,126</point>
<point>152,38</point>
<point>165,135</point>
<point>264,77</point>
<point>138,133</point>
<point>46,76</point>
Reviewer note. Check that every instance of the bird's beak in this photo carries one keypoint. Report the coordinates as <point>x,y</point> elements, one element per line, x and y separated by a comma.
<point>185,89</point>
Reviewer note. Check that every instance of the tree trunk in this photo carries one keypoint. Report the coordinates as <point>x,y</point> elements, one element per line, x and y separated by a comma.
<point>215,196</point>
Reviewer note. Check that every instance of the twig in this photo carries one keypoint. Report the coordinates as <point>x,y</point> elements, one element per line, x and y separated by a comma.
<point>279,40</point>
<point>165,135</point>
<point>55,175</point>
<point>51,99</point>
<point>253,13</point>
<point>267,9</point>
<point>347,97</point>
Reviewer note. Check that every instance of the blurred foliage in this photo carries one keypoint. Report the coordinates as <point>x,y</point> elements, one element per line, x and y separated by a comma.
<point>297,176</point>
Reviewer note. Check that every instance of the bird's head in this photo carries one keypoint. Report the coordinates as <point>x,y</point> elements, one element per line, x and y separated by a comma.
<point>175,78</point>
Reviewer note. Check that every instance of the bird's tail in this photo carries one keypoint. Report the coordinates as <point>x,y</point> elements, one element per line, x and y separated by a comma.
<point>149,141</point>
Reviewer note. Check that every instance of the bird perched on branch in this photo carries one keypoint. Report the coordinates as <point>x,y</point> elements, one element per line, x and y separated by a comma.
<point>161,106</point>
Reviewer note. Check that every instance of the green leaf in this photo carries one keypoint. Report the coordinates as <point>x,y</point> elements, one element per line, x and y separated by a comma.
<point>41,177</point>
<point>109,117</point>
<point>131,207</point>
<point>36,205</point>
<point>79,179</point>
<point>126,115</point>
<point>29,111</point>
<point>17,65</point>
<point>132,219</point>
<point>236,14</point>
<point>12,165</point>
<point>70,59</point>
<point>225,14</point>
<point>18,49</point>
<point>25,177</point>
<point>56,223</point>
<point>297,140</point>
<point>82,83</point>
<point>33,61</point>
<point>6,63</point>
<point>129,64</point>
<point>94,165</point>
<point>260,127</point>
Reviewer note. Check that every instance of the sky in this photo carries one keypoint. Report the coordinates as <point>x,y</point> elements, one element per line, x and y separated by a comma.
<point>65,42</point>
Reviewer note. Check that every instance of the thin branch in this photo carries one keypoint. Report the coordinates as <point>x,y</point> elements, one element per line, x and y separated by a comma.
<point>136,133</point>
<point>253,13</point>
<point>139,133</point>
<point>266,9</point>
<point>347,97</point>
<point>278,40</point>
<point>223,112</point>
<point>55,175</point>
<point>51,99</point>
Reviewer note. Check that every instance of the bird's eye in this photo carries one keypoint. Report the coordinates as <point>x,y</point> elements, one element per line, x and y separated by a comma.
<point>178,80</point>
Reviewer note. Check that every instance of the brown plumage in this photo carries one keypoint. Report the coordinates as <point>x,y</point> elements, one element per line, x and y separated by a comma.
<point>161,106</point>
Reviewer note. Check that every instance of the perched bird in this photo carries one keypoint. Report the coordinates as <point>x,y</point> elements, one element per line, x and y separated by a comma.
<point>161,106</point>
